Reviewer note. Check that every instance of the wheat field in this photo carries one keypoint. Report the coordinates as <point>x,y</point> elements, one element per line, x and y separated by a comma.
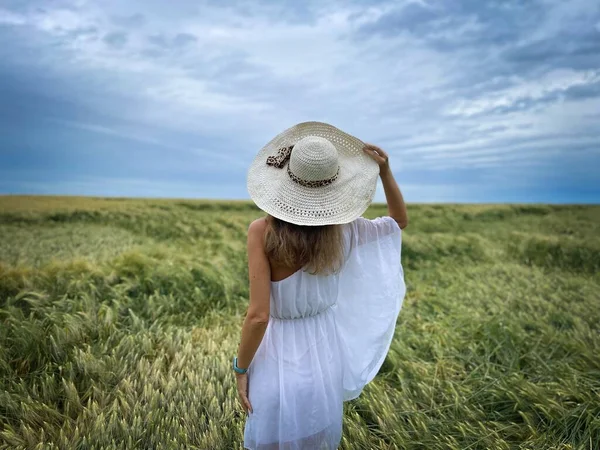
<point>119,318</point>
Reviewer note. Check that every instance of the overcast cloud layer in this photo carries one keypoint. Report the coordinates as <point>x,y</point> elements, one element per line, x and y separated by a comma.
<point>475,101</point>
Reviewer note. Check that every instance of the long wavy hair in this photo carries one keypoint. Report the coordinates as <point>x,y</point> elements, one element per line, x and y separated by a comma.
<point>317,249</point>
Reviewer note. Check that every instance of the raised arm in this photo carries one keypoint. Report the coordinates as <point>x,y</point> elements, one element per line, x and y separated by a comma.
<point>393,196</point>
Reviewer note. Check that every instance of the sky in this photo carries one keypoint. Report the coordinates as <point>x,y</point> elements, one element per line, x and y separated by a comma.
<point>475,101</point>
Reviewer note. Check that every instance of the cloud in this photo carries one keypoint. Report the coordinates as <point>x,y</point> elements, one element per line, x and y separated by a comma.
<point>141,138</point>
<point>11,18</point>
<point>116,39</point>
<point>528,93</point>
<point>439,83</point>
<point>168,42</point>
<point>129,21</point>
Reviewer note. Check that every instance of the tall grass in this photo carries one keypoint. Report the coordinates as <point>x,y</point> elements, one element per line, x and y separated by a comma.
<point>119,318</point>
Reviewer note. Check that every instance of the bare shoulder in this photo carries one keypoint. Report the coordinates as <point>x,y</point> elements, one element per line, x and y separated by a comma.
<point>257,227</point>
<point>256,249</point>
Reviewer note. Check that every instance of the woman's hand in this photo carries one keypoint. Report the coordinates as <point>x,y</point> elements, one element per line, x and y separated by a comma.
<point>379,156</point>
<point>393,196</point>
<point>242,387</point>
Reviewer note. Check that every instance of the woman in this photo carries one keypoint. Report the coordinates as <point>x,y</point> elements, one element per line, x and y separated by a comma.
<point>326,285</point>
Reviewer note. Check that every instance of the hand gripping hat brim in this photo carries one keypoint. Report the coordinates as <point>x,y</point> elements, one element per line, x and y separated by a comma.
<point>340,201</point>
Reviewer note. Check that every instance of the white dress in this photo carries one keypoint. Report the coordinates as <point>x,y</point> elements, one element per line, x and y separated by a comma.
<point>326,339</point>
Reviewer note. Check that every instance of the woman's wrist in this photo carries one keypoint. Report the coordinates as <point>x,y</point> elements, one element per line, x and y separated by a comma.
<point>237,369</point>
<point>385,171</point>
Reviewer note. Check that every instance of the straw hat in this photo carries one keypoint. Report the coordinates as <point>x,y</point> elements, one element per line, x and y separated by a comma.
<point>313,174</point>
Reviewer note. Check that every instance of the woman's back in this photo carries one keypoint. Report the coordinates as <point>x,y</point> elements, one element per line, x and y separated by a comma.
<point>303,294</point>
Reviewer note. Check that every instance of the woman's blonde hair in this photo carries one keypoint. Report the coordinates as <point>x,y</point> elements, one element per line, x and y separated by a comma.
<point>318,249</point>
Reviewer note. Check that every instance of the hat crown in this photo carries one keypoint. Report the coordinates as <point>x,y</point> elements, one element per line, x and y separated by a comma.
<point>314,158</point>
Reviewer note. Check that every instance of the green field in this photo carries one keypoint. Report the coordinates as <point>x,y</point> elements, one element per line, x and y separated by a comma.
<point>119,319</point>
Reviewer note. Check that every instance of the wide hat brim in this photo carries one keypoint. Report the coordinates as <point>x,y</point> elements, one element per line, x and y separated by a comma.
<point>342,201</point>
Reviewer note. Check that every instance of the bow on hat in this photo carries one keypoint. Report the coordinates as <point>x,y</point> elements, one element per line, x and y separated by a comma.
<point>283,155</point>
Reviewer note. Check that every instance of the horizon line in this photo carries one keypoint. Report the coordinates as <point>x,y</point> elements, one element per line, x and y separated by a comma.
<point>224,200</point>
